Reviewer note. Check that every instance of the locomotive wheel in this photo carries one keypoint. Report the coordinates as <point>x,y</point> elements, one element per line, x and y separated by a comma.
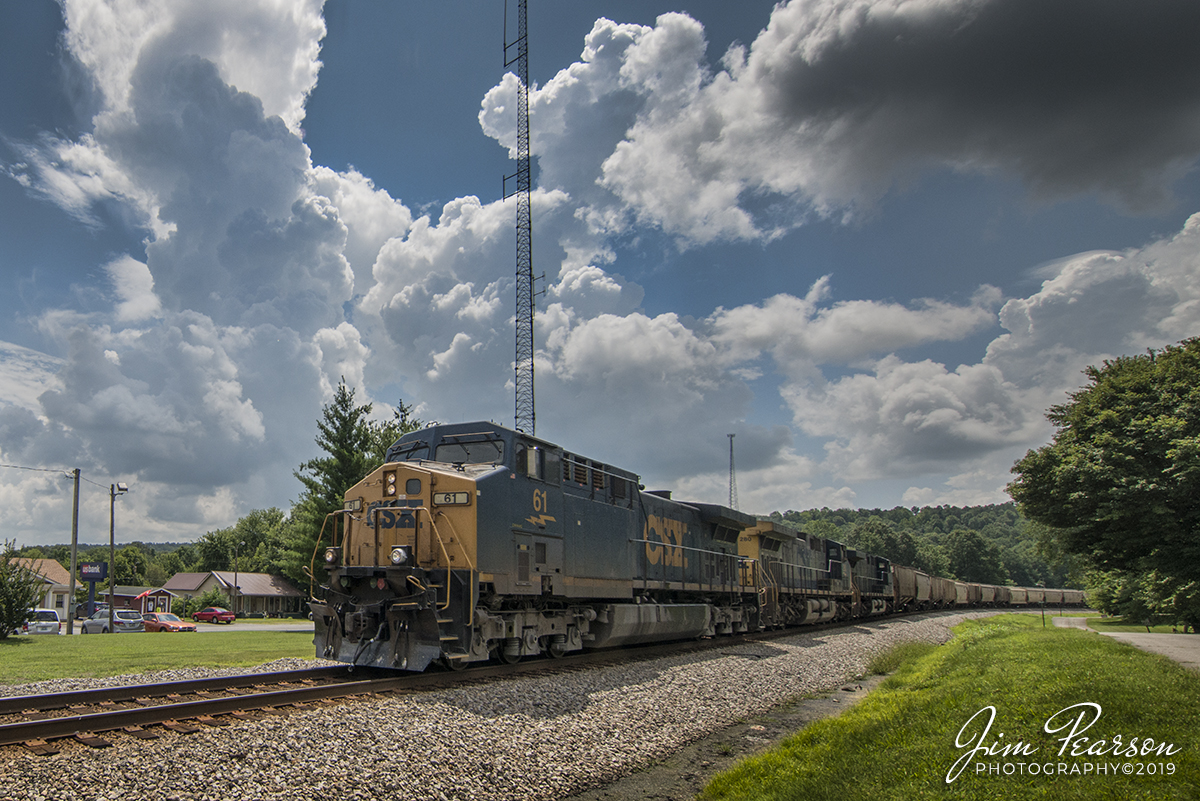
<point>454,665</point>
<point>506,659</point>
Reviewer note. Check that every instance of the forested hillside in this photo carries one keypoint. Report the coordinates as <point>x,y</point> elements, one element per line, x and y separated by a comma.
<point>993,544</point>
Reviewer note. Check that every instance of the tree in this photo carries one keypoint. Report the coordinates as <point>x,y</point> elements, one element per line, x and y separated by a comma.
<point>1120,481</point>
<point>130,569</point>
<point>973,558</point>
<point>355,445</point>
<point>187,607</point>
<point>263,532</point>
<point>20,589</point>
<point>876,535</point>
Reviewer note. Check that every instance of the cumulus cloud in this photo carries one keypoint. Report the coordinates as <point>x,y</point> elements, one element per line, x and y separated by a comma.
<point>230,334</point>
<point>901,418</point>
<point>838,100</point>
<point>26,374</point>
<point>134,286</point>
<point>800,332</point>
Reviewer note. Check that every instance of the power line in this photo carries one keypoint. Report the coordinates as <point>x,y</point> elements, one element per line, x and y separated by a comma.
<point>66,473</point>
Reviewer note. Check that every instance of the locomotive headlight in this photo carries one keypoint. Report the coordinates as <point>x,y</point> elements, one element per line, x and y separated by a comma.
<point>331,555</point>
<point>389,483</point>
<point>399,556</point>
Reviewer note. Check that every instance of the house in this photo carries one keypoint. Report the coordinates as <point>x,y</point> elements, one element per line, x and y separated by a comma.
<point>257,593</point>
<point>56,583</point>
<point>141,599</point>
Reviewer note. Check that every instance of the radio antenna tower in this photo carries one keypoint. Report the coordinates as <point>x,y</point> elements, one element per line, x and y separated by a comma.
<point>524,411</point>
<point>733,501</point>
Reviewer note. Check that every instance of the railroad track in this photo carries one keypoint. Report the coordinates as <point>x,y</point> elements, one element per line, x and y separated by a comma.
<point>37,721</point>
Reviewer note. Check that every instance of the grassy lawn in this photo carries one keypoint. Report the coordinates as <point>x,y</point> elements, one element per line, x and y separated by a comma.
<point>1117,624</point>
<point>900,742</point>
<point>25,659</point>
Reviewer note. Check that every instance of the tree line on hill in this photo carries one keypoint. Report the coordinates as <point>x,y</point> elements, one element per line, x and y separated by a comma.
<point>992,544</point>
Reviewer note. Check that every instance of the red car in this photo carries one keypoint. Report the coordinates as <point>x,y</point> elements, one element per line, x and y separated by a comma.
<point>165,621</point>
<point>213,614</point>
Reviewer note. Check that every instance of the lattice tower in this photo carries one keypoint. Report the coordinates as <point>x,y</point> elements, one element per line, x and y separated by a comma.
<point>523,363</point>
<point>733,499</point>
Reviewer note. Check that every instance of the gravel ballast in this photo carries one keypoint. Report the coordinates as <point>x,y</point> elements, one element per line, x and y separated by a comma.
<point>543,737</point>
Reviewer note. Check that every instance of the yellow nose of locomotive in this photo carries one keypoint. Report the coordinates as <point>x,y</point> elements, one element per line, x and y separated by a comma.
<point>385,513</point>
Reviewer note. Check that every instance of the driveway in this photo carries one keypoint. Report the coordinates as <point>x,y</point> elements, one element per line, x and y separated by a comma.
<point>1183,648</point>
<point>283,624</point>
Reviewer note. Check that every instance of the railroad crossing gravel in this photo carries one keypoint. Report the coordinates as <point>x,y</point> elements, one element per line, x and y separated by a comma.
<point>540,737</point>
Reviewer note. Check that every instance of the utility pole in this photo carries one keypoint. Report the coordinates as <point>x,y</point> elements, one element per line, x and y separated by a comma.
<point>733,499</point>
<point>113,491</point>
<point>74,552</point>
<point>524,407</point>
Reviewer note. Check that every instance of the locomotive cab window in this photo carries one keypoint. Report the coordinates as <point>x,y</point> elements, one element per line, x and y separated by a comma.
<point>530,462</point>
<point>409,452</point>
<point>488,451</point>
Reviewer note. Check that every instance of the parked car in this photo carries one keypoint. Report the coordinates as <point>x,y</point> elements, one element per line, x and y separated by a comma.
<point>123,620</point>
<point>45,621</point>
<point>81,610</point>
<point>214,614</point>
<point>165,621</point>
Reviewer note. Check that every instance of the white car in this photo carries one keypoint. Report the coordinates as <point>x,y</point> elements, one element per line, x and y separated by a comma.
<point>45,621</point>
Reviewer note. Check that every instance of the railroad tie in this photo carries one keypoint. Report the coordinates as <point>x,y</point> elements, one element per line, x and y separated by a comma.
<point>90,739</point>
<point>181,728</point>
<point>140,733</point>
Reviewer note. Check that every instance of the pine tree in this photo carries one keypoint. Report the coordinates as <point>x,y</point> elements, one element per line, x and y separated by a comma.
<point>355,446</point>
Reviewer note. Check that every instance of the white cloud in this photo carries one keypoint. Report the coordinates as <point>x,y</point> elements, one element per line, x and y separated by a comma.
<point>800,332</point>
<point>837,101</point>
<point>268,49</point>
<point>25,375</point>
<point>901,419</point>
<point>135,288</point>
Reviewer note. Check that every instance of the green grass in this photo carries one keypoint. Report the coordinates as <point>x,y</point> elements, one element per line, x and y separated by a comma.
<point>899,742</point>
<point>891,660</point>
<point>1117,624</point>
<point>37,658</point>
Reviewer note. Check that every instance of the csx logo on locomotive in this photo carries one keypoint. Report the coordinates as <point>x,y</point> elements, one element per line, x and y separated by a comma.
<point>393,518</point>
<point>666,531</point>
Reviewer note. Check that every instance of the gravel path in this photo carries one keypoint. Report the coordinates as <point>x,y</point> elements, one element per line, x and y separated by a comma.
<point>529,738</point>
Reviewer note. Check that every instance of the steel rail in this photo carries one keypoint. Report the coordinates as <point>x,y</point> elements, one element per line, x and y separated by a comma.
<point>16,704</point>
<point>56,728</point>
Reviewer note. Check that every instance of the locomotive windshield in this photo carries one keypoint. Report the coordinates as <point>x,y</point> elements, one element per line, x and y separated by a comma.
<point>488,451</point>
<point>409,451</point>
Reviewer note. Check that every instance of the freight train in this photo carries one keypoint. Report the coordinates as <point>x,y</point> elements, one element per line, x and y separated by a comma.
<point>476,542</point>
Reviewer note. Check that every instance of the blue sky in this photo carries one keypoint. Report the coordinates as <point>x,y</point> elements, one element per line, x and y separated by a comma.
<point>874,239</point>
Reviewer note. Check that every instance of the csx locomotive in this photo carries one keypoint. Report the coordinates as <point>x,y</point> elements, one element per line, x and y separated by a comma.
<point>474,542</point>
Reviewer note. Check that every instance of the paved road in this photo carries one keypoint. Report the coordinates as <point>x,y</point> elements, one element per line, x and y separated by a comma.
<point>280,625</point>
<point>1183,648</point>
